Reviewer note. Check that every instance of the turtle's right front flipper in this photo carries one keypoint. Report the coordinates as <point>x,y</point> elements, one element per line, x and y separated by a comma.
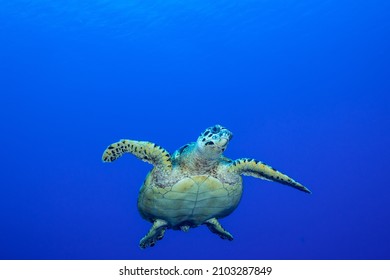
<point>143,150</point>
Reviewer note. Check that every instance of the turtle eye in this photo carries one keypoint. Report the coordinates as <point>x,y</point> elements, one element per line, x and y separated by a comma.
<point>215,129</point>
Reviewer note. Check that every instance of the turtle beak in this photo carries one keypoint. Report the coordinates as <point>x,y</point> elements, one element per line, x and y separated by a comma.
<point>223,141</point>
<point>225,138</point>
<point>227,135</point>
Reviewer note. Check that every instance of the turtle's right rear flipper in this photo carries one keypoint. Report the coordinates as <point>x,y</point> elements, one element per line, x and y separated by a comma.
<point>155,234</point>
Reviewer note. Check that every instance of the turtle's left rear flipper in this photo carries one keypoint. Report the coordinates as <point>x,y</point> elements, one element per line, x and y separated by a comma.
<point>215,227</point>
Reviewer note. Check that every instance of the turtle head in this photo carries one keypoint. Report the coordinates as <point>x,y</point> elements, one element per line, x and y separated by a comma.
<point>213,141</point>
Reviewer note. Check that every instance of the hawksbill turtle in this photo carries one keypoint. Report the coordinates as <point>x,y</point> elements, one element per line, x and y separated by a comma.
<point>194,186</point>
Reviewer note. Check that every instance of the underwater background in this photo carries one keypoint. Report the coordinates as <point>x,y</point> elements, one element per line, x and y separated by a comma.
<point>303,85</point>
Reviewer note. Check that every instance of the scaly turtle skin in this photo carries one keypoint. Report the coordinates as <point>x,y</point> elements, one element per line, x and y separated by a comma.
<point>194,186</point>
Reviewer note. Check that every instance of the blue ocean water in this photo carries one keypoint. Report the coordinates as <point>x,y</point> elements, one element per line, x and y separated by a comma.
<point>303,85</point>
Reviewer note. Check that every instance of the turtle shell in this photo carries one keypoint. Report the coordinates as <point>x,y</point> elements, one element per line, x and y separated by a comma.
<point>190,201</point>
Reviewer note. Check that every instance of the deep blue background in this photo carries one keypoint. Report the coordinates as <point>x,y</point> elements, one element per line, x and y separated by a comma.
<point>303,85</point>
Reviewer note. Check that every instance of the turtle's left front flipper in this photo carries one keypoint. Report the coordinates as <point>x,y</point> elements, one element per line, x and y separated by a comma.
<point>258,169</point>
<point>143,150</point>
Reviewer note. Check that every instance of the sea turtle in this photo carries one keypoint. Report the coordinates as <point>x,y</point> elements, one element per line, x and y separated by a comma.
<point>194,186</point>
